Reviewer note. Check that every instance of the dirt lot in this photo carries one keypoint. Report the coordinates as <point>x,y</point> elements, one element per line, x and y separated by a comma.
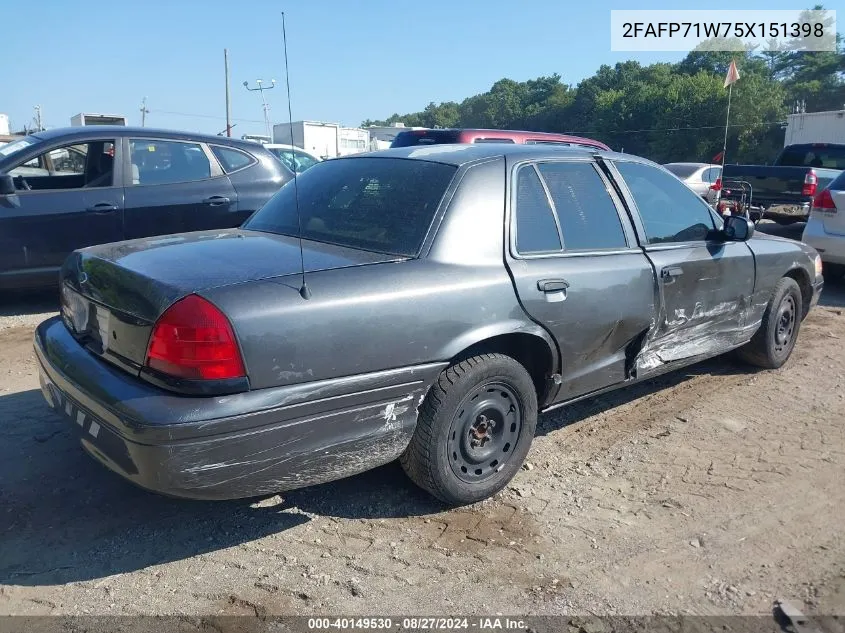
<point>712,491</point>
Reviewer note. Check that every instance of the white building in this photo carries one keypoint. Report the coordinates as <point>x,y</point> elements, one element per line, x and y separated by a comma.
<point>327,140</point>
<point>815,127</point>
<point>382,136</point>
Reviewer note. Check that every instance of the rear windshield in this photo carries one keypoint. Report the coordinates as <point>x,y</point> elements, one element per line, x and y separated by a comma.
<point>425,137</point>
<point>376,204</point>
<point>823,156</point>
<point>682,171</point>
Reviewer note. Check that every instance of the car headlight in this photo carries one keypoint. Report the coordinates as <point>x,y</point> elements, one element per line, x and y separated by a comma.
<point>818,262</point>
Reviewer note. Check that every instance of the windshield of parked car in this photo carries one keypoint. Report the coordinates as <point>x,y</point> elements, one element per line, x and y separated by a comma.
<point>293,159</point>
<point>821,155</point>
<point>377,204</point>
<point>425,137</point>
<point>682,171</point>
<point>15,146</point>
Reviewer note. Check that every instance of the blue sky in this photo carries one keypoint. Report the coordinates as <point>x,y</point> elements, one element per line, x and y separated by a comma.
<point>349,60</point>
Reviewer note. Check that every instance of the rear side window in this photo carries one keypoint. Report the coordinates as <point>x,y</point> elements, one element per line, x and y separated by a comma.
<point>157,162</point>
<point>536,231</point>
<point>231,159</point>
<point>384,205</point>
<point>586,212</point>
<point>670,211</point>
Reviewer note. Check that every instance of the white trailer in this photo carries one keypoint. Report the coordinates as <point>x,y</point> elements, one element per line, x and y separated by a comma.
<point>4,124</point>
<point>815,127</point>
<point>87,118</point>
<point>326,140</point>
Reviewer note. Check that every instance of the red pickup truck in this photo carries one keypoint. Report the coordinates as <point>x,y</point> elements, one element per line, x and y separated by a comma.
<point>410,138</point>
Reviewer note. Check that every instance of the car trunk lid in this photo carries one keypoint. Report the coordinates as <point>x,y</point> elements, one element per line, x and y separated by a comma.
<point>113,294</point>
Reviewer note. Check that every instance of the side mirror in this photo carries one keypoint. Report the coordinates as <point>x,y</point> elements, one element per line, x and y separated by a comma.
<point>7,185</point>
<point>737,228</point>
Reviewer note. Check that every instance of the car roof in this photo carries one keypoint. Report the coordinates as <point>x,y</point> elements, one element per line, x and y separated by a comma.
<point>463,154</point>
<point>691,164</point>
<point>87,131</point>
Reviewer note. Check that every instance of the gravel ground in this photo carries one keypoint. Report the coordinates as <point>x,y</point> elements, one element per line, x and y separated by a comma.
<point>715,490</point>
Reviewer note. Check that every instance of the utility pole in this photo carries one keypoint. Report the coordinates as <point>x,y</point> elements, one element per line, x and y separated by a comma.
<point>38,118</point>
<point>228,110</point>
<point>144,111</point>
<point>261,88</point>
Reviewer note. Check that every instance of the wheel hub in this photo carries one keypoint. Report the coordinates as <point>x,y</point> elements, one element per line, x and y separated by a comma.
<point>482,431</point>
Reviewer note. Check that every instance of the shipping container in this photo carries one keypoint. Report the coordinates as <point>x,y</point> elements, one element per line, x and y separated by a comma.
<point>815,127</point>
<point>326,140</point>
<point>87,118</point>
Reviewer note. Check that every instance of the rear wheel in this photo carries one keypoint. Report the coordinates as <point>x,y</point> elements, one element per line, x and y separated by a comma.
<point>474,429</point>
<point>774,341</point>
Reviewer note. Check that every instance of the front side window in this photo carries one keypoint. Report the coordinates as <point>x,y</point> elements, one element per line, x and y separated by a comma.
<point>68,167</point>
<point>670,211</point>
<point>586,212</point>
<point>159,162</point>
<point>536,231</point>
<point>384,205</point>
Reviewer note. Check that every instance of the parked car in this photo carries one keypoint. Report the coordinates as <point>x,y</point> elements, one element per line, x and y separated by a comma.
<point>825,230</point>
<point>784,190</point>
<point>447,296</point>
<point>410,138</point>
<point>700,177</point>
<point>293,157</point>
<point>68,188</point>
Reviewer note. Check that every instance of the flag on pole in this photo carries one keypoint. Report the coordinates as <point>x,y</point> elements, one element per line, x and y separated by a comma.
<point>733,74</point>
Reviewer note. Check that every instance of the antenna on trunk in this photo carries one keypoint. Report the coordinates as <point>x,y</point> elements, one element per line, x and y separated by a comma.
<point>304,291</point>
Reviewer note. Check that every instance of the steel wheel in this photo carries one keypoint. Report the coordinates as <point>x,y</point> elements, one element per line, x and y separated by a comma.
<point>785,329</point>
<point>484,432</point>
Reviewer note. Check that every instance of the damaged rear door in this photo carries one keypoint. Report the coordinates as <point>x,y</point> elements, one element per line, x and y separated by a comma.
<point>578,270</point>
<point>704,283</point>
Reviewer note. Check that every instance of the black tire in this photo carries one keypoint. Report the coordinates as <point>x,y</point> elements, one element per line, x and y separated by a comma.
<point>773,343</point>
<point>456,454</point>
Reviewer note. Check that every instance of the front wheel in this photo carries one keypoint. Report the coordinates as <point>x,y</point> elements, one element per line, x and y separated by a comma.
<point>474,429</point>
<point>772,345</point>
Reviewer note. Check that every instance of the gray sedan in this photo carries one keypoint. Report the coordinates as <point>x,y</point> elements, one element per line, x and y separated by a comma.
<point>700,177</point>
<point>422,303</point>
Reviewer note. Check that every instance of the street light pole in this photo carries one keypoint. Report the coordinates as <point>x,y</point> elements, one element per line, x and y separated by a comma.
<point>261,88</point>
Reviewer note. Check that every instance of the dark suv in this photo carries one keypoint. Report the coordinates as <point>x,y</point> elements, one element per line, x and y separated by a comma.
<point>68,188</point>
<point>409,138</point>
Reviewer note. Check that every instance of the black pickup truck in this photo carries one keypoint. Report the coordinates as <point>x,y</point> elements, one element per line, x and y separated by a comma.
<point>783,190</point>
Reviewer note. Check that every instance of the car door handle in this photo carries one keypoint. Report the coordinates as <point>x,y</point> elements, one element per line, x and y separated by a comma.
<point>102,208</point>
<point>216,201</point>
<point>552,285</point>
<point>669,274</point>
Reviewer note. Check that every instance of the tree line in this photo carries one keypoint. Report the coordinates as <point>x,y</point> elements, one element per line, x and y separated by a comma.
<point>664,111</point>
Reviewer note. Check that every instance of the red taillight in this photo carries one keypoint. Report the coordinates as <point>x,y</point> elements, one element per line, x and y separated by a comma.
<point>824,202</point>
<point>811,181</point>
<point>717,186</point>
<point>194,340</point>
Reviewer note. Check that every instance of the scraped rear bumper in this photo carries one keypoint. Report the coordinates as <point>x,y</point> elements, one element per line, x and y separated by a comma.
<point>229,447</point>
